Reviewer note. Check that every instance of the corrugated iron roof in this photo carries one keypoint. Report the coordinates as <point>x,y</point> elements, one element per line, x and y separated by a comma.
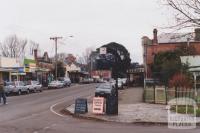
<point>175,37</point>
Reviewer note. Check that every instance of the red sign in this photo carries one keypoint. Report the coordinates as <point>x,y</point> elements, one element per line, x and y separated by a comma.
<point>102,74</point>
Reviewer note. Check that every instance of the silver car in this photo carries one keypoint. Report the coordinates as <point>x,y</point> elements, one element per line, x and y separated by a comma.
<point>20,87</point>
<point>34,86</point>
<point>8,87</point>
<point>105,89</point>
<point>56,84</point>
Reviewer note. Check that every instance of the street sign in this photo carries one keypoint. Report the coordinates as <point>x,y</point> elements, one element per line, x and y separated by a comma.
<point>81,106</point>
<point>103,50</point>
<point>98,105</point>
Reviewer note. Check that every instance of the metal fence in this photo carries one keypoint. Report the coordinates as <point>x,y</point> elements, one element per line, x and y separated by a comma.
<point>162,95</point>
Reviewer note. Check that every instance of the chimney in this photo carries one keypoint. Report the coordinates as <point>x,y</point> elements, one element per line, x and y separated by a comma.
<point>197,34</point>
<point>155,36</point>
<point>35,54</point>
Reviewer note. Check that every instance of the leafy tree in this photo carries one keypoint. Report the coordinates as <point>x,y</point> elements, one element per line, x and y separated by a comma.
<point>166,64</point>
<point>117,59</point>
<point>61,70</point>
<point>180,80</point>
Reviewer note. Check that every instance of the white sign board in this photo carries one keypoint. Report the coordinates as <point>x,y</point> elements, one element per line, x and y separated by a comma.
<point>98,105</point>
<point>103,50</point>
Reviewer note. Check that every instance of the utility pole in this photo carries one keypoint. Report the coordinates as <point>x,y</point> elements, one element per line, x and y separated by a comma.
<point>56,47</point>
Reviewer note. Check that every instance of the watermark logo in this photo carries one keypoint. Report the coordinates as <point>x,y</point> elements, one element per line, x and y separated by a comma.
<point>182,113</point>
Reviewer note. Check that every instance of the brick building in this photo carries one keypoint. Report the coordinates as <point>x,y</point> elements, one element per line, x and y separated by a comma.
<point>45,67</point>
<point>166,42</point>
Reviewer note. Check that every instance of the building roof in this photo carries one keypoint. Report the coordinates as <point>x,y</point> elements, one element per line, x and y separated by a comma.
<point>175,37</point>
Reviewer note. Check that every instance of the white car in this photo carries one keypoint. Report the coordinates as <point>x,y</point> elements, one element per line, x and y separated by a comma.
<point>65,80</point>
<point>124,81</point>
<point>20,87</point>
<point>120,83</point>
<point>34,86</point>
<point>56,84</point>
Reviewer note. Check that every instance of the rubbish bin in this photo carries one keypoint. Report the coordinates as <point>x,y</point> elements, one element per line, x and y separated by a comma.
<point>111,105</point>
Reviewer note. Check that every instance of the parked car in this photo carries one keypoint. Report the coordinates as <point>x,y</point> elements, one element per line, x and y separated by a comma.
<point>66,81</point>
<point>85,81</point>
<point>99,80</point>
<point>34,86</point>
<point>8,87</point>
<point>91,80</point>
<point>105,89</point>
<point>120,83</point>
<point>56,84</point>
<point>124,81</point>
<point>20,87</point>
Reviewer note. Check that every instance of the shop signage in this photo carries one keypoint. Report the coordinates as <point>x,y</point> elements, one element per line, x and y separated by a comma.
<point>103,50</point>
<point>81,106</point>
<point>98,105</point>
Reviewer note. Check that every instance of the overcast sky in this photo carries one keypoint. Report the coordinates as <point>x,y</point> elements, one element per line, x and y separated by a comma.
<point>91,22</point>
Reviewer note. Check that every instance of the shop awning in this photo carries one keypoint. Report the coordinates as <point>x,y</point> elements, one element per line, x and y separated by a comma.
<point>18,73</point>
<point>7,70</point>
<point>42,70</point>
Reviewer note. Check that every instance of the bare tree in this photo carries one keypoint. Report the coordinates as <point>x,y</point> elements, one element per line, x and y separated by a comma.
<point>13,47</point>
<point>85,58</point>
<point>61,57</point>
<point>186,13</point>
<point>32,46</point>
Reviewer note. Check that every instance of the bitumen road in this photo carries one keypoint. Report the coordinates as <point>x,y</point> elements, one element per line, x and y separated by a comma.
<point>40,113</point>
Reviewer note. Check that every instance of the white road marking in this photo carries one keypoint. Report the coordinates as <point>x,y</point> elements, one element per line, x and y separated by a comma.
<point>51,109</point>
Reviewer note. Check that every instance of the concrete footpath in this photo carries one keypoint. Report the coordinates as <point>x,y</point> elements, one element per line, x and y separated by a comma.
<point>131,110</point>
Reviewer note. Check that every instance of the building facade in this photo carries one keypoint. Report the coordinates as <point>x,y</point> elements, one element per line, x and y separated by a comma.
<point>166,42</point>
<point>75,71</point>
<point>45,68</point>
<point>10,69</point>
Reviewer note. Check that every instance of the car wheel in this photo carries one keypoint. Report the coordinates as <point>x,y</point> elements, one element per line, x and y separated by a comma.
<point>19,92</point>
<point>28,91</point>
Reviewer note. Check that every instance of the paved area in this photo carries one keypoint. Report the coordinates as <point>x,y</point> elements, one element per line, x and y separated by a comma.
<point>131,95</point>
<point>132,113</point>
<point>41,113</point>
<point>131,109</point>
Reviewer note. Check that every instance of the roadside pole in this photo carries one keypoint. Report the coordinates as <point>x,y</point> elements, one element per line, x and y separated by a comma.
<point>56,47</point>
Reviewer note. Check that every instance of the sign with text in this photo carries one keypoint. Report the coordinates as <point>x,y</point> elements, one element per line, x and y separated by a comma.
<point>98,105</point>
<point>81,106</point>
<point>103,50</point>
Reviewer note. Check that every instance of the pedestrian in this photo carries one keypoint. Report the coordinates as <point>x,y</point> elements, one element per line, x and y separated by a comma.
<point>2,93</point>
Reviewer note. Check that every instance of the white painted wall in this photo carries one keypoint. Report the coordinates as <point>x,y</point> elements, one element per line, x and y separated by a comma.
<point>9,62</point>
<point>71,68</point>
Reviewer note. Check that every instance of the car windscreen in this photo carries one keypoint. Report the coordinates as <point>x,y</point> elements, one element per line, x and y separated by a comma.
<point>104,86</point>
<point>9,83</point>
